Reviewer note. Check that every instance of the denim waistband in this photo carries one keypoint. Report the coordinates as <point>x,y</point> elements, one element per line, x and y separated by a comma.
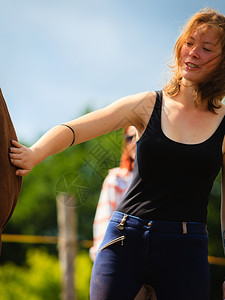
<point>158,225</point>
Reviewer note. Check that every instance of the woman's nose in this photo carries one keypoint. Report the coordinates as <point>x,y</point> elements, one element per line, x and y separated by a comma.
<point>194,52</point>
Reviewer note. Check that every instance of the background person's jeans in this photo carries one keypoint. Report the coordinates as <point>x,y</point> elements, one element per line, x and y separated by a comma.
<point>157,253</point>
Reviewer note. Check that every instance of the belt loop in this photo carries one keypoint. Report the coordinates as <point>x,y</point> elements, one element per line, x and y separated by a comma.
<point>121,225</point>
<point>184,226</point>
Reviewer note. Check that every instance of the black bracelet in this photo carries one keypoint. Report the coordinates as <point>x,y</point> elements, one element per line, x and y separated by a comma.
<point>72,132</point>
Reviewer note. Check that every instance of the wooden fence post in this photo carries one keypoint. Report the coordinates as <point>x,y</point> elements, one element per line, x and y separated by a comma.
<point>67,238</point>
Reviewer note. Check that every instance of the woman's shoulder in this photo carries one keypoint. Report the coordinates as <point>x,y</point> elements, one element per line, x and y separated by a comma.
<point>142,97</point>
<point>145,98</point>
<point>143,109</point>
<point>134,109</point>
<point>143,104</point>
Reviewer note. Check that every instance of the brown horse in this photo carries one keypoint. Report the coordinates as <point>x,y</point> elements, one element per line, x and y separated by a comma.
<point>10,184</point>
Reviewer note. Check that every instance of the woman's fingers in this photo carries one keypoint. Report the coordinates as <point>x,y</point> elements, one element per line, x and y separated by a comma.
<point>21,157</point>
<point>17,149</point>
<point>15,156</point>
<point>16,144</point>
<point>17,163</point>
<point>14,150</point>
<point>21,172</point>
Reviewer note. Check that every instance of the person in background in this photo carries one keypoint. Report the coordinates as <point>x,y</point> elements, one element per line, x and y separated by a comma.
<point>114,187</point>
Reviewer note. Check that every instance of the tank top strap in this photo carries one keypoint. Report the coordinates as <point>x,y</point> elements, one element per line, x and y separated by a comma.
<point>219,132</point>
<point>221,126</point>
<point>154,123</point>
<point>158,102</point>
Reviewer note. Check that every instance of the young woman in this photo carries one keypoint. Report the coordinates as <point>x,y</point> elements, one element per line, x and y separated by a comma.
<point>157,235</point>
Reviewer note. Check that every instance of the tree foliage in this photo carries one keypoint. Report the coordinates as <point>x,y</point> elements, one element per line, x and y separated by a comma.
<point>40,277</point>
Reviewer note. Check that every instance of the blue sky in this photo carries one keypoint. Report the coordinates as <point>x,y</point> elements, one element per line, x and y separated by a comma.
<point>59,57</point>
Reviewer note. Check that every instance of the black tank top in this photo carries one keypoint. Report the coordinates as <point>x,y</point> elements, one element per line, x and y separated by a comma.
<point>172,181</point>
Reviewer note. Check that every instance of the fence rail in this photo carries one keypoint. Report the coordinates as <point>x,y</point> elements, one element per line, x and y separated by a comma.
<point>39,239</point>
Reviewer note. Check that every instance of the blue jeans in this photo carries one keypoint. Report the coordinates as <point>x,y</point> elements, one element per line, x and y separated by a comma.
<point>170,256</point>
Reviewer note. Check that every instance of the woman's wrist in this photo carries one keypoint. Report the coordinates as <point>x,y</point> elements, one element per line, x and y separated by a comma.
<point>37,155</point>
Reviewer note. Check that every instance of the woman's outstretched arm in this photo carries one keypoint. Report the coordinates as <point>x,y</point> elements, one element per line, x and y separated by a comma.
<point>121,113</point>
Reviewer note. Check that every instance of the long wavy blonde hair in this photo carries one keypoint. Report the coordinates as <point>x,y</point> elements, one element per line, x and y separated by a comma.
<point>212,88</point>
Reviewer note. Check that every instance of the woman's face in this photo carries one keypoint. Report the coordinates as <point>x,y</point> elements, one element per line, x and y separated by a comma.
<point>200,54</point>
<point>131,141</point>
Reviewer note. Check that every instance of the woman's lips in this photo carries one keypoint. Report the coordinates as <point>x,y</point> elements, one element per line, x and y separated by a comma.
<point>191,65</point>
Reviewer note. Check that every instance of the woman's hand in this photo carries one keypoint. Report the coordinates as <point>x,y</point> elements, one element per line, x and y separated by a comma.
<point>21,157</point>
